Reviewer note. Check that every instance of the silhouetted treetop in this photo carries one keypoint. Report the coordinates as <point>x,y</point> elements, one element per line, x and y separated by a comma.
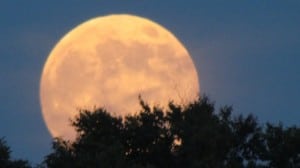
<point>193,135</point>
<point>5,159</point>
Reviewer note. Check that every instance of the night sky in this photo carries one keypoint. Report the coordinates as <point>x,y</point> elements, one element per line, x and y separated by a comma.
<point>247,54</point>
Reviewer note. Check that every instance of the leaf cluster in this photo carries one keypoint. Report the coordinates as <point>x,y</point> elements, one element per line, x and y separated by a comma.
<point>194,135</point>
<point>5,159</point>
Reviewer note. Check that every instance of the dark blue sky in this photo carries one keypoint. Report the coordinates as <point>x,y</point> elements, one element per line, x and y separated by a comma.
<point>247,54</point>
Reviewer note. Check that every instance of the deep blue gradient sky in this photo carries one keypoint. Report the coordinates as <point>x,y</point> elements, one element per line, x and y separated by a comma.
<point>247,54</point>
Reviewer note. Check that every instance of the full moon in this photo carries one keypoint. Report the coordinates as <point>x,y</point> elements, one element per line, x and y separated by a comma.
<point>108,62</point>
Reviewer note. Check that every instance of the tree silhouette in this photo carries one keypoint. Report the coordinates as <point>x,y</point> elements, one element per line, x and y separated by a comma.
<point>193,135</point>
<point>5,159</point>
<point>282,145</point>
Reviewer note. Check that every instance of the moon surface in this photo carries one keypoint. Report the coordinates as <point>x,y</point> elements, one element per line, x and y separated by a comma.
<point>108,62</point>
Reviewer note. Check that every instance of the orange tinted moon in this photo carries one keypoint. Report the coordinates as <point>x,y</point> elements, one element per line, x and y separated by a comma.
<point>107,62</point>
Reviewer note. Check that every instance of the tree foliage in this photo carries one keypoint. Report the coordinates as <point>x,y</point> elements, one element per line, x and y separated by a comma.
<point>5,158</point>
<point>194,135</point>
